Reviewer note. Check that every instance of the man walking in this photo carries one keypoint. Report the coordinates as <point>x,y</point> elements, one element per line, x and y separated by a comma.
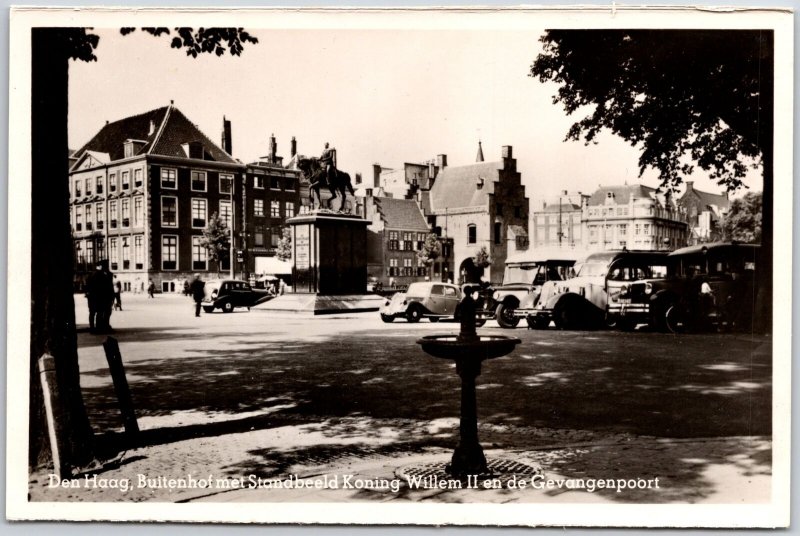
<point>93,290</point>
<point>151,288</point>
<point>198,291</point>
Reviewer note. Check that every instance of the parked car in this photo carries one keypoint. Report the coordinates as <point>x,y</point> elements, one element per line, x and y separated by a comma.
<point>430,300</point>
<point>227,294</point>
<point>709,286</point>
<point>592,298</point>
<point>524,276</point>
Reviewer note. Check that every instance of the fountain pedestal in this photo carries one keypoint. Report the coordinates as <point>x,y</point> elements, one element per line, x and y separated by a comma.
<point>468,350</point>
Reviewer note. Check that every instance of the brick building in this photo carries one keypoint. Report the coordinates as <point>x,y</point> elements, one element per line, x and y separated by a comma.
<point>704,212</point>
<point>143,189</point>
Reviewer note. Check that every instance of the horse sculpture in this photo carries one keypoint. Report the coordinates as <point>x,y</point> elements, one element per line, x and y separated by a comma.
<point>315,173</point>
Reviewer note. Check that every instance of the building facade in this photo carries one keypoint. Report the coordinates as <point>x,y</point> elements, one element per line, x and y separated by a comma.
<point>633,217</point>
<point>557,222</point>
<point>704,212</point>
<point>477,207</point>
<point>143,190</point>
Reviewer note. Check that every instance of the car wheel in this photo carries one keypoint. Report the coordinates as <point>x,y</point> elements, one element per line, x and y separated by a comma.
<point>674,320</point>
<point>504,314</point>
<point>387,318</point>
<point>414,314</point>
<point>433,319</point>
<point>566,316</point>
<point>227,307</point>
<point>208,308</point>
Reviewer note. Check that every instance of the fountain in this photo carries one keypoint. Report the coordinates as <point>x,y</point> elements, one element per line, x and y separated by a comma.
<point>468,350</point>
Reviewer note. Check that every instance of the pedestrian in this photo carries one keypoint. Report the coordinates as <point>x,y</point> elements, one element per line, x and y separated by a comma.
<point>282,287</point>
<point>151,288</point>
<point>117,295</point>
<point>92,297</point>
<point>198,291</point>
<point>102,296</point>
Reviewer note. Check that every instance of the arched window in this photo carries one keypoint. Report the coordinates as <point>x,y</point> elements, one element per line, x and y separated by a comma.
<point>472,234</point>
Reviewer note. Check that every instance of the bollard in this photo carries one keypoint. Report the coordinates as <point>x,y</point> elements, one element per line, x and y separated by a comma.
<point>54,414</point>
<point>114,357</point>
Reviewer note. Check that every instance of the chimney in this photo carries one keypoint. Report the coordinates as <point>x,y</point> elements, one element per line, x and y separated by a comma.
<point>358,178</point>
<point>152,128</point>
<point>294,146</point>
<point>227,142</point>
<point>273,148</point>
<point>507,151</point>
<point>431,170</point>
<point>689,186</point>
<point>441,161</point>
<point>368,192</point>
<point>376,175</point>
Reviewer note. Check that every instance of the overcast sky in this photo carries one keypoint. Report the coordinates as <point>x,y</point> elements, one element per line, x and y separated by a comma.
<point>378,96</point>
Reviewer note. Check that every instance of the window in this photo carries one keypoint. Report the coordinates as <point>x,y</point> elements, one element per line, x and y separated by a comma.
<point>78,219</point>
<point>137,177</point>
<point>637,229</point>
<point>138,204</point>
<point>199,254</point>
<point>98,209</point>
<point>225,183</point>
<point>276,236</point>
<point>288,209</point>
<point>499,209</point>
<point>258,182</point>
<point>138,252</point>
<point>623,230</point>
<point>90,252</point>
<point>126,212</point>
<point>126,180</point>
<point>393,269</point>
<point>258,236</point>
<point>275,209</point>
<point>394,242</point>
<point>169,178</point>
<point>472,234</point>
<point>101,249</point>
<point>78,188</point>
<point>199,207</point>
<point>198,181</point>
<point>88,209</point>
<point>169,252</point>
<point>112,214</point>
<point>289,184</point>
<point>407,267</point>
<point>112,182</point>
<point>126,253</point>
<point>274,183</point>
<point>258,207</point>
<point>79,258</point>
<point>99,185</point>
<point>225,212</point>
<point>169,211</point>
<point>647,228</point>
<point>408,242</point>
<point>498,232</point>
<point>113,254</point>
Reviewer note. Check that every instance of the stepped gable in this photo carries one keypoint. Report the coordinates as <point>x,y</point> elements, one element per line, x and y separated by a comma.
<point>401,214</point>
<point>457,186</point>
<point>111,138</point>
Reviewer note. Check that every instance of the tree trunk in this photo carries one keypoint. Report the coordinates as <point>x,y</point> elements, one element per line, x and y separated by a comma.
<point>767,141</point>
<point>52,303</point>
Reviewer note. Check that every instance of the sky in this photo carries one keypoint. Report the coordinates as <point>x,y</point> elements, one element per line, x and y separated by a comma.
<point>378,96</point>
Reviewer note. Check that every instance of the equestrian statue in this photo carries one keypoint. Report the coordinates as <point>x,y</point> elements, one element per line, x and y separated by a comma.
<point>321,172</point>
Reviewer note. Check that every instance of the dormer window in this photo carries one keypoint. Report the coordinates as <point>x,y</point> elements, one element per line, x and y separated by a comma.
<point>479,183</point>
<point>132,147</point>
<point>193,149</point>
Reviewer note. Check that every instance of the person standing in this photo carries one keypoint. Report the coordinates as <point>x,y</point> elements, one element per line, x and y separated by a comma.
<point>118,295</point>
<point>102,290</point>
<point>92,297</point>
<point>151,288</point>
<point>198,292</point>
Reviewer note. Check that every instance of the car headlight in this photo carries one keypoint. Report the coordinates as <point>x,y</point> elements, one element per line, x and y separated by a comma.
<point>623,290</point>
<point>648,288</point>
<point>496,295</point>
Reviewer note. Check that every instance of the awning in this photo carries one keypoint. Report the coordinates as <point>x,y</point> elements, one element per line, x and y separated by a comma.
<point>273,266</point>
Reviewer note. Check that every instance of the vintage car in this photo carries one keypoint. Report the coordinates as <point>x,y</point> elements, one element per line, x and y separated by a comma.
<point>592,297</point>
<point>709,286</point>
<point>524,276</point>
<point>430,300</point>
<point>227,294</point>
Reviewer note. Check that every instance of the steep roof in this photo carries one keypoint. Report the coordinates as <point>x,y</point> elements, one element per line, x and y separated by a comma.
<point>162,130</point>
<point>457,187</point>
<point>564,207</point>
<point>706,198</point>
<point>622,194</point>
<point>401,213</point>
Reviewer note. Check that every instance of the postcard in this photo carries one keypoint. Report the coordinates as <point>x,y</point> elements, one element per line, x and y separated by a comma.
<point>401,266</point>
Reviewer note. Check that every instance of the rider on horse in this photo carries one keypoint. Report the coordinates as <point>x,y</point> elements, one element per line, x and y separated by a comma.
<point>328,161</point>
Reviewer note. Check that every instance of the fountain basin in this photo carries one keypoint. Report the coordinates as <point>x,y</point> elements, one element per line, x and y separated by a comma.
<point>479,348</point>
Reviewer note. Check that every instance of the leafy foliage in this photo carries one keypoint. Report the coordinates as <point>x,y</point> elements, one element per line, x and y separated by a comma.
<point>203,40</point>
<point>481,259</point>
<point>672,93</point>
<point>217,240</point>
<point>431,249</point>
<point>284,252</point>
<point>743,221</point>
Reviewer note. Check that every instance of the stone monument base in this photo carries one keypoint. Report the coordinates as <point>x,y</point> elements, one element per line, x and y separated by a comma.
<point>322,305</point>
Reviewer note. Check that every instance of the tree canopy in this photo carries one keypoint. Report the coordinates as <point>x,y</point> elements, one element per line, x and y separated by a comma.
<point>743,220</point>
<point>684,97</point>
<point>217,240</point>
<point>284,249</point>
<point>431,249</point>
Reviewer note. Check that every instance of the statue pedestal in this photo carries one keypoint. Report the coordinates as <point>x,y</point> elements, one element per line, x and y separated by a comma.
<point>329,273</point>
